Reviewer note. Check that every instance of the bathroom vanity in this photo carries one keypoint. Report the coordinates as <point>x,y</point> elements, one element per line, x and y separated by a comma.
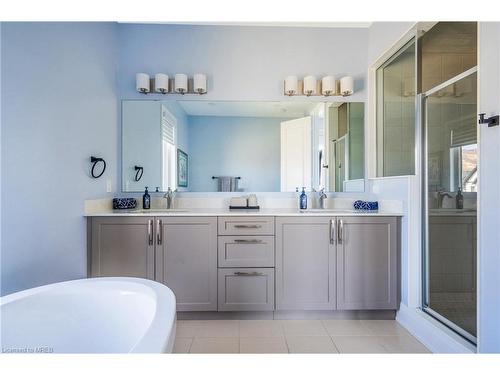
<point>259,261</point>
<point>274,260</point>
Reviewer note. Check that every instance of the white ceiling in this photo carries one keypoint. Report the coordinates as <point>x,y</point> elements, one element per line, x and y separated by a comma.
<point>247,109</point>
<point>270,24</point>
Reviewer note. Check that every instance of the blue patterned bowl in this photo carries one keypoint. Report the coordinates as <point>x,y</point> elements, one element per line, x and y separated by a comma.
<point>365,205</point>
<point>124,203</point>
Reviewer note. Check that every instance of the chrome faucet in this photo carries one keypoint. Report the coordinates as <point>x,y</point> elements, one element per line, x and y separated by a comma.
<point>321,198</point>
<point>169,196</point>
<point>440,197</point>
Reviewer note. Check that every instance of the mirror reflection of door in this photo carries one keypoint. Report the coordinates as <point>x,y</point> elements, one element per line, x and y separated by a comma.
<point>338,130</point>
<point>340,162</point>
<point>296,154</point>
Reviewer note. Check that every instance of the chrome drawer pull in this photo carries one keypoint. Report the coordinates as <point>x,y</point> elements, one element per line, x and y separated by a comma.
<point>248,274</point>
<point>247,226</point>
<point>248,241</point>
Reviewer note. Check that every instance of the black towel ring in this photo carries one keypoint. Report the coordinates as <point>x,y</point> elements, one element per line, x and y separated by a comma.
<point>139,172</point>
<point>94,162</point>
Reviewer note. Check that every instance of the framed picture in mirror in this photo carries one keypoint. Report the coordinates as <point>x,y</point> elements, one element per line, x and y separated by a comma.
<point>182,168</point>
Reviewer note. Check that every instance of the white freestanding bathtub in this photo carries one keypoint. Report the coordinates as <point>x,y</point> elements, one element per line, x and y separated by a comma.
<point>99,315</point>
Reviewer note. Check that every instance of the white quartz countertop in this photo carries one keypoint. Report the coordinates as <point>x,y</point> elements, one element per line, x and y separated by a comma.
<point>240,212</point>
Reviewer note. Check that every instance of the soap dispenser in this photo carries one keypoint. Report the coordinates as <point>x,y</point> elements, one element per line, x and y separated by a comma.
<point>303,199</point>
<point>459,199</point>
<point>146,200</point>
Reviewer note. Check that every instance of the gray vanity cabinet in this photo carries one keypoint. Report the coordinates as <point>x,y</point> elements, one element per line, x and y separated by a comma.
<point>305,264</point>
<point>186,259</point>
<point>367,272</point>
<point>122,246</point>
<point>342,263</point>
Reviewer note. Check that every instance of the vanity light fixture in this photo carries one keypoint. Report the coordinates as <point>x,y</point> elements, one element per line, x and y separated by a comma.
<point>200,83</point>
<point>291,85</point>
<point>142,83</point>
<point>161,83</point>
<point>327,86</point>
<point>181,83</point>
<point>309,85</point>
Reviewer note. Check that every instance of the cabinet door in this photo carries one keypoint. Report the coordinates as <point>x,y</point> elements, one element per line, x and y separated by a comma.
<point>367,272</point>
<point>246,289</point>
<point>187,260</point>
<point>305,264</point>
<point>122,246</point>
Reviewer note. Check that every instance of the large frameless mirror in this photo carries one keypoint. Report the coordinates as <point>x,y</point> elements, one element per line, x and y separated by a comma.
<point>225,146</point>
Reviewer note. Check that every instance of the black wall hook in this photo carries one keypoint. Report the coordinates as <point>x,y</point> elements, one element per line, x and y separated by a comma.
<point>139,172</point>
<point>94,160</point>
<point>491,121</point>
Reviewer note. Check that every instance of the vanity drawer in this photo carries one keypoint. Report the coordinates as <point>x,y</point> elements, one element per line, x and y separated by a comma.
<point>234,226</point>
<point>246,251</point>
<point>246,289</point>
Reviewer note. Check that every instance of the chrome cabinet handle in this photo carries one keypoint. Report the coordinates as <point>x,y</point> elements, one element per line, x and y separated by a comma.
<point>159,236</point>
<point>341,231</point>
<point>247,226</point>
<point>333,226</point>
<point>248,241</point>
<point>248,274</point>
<point>150,232</point>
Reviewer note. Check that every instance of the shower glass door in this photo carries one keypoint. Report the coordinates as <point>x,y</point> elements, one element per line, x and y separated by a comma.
<point>449,113</point>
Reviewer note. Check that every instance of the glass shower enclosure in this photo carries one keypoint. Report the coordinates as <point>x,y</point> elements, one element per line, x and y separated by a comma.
<point>449,113</point>
<point>426,115</point>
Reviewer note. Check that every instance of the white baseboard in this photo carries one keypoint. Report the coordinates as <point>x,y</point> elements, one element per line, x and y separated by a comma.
<point>430,332</point>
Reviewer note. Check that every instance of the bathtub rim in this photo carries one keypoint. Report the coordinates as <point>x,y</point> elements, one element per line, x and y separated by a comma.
<point>159,335</point>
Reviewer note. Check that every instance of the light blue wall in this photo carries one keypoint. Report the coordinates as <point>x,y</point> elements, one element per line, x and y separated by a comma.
<point>242,63</point>
<point>248,147</point>
<point>59,107</point>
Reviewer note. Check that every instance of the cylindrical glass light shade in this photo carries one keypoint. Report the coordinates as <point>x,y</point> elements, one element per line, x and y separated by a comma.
<point>200,83</point>
<point>328,85</point>
<point>310,85</point>
<point>142,82</point>
<point>346,86</point>
<point>161,83</point>
<point>291,85</point>
<point>181,83</point>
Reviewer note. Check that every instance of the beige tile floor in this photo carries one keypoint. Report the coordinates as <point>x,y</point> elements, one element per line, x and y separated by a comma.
<point>294,336</point>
